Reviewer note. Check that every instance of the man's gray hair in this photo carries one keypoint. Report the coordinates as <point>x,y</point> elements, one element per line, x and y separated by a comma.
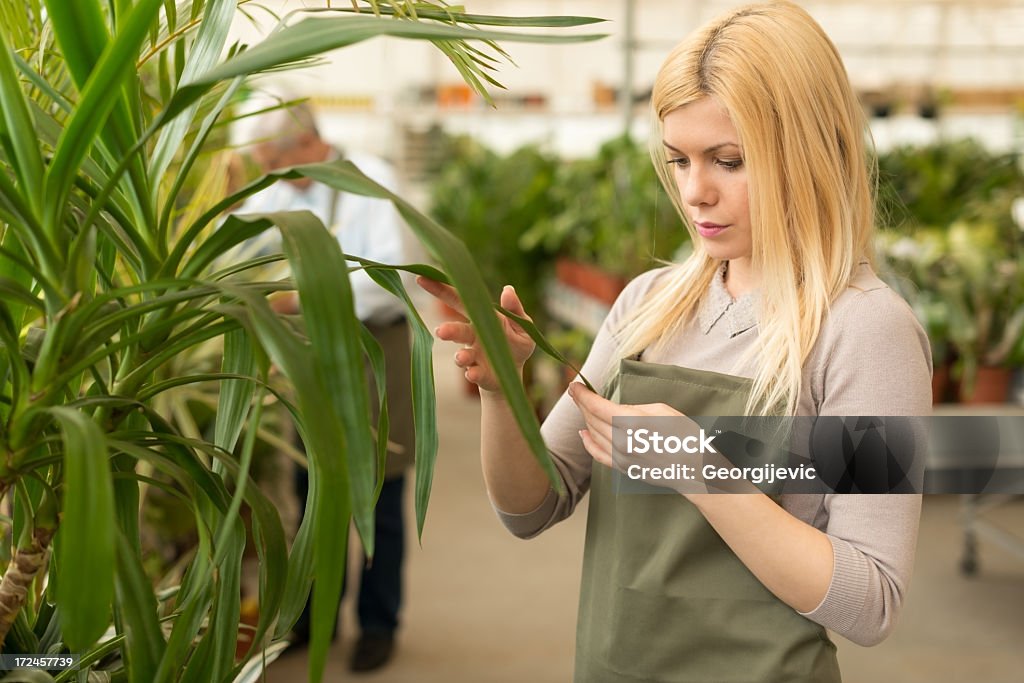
<point>283,128</point>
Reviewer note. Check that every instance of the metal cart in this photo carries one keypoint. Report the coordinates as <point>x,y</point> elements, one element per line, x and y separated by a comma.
<point>975,508</point>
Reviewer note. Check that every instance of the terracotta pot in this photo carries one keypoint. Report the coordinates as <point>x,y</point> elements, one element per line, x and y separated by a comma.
<point>590,280</point>
<point>992,385</point>
<point>567,272</point>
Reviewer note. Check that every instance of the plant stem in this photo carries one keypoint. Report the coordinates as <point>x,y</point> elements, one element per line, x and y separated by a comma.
<point>23,569</point>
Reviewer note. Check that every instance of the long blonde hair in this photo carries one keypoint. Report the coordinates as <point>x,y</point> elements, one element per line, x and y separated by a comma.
<point>810,189</point>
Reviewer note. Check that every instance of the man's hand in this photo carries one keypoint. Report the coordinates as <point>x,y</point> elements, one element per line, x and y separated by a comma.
<point>284,303</point>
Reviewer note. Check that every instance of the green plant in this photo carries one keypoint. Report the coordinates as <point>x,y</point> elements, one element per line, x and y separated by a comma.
<point>954,250</point>
<point>966,285</point>
<point>489,201</point>
<point>612,212</point>
<point>948,181</point>
<point>109,281</point>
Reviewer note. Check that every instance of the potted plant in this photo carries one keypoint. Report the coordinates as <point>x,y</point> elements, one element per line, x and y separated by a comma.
<point>954,250</point>
<point>984,288</point>
<point>490,201</point>
<point>613,220</point>
<point>107,280</point>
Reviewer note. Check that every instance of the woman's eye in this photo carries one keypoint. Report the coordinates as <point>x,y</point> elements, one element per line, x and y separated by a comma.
<point>679,162</point>
<point>730,164</point>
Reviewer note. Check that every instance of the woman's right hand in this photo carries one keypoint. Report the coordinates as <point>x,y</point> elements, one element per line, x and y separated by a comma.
<point>471,356</point>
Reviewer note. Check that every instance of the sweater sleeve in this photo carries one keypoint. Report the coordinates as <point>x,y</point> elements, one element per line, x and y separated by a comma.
<point>561,428</point>
<point>877,361</point>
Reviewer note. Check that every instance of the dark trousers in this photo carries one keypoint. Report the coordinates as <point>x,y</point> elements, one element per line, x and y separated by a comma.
<point>380,584</point>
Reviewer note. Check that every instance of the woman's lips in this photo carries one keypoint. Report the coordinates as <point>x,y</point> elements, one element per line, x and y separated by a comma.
<point>710,229</point>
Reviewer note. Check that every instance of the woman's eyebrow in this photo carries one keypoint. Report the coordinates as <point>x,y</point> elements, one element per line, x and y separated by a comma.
<point>709,150</point>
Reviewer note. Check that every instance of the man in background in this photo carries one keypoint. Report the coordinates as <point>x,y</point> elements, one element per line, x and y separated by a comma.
<point>369,228</point>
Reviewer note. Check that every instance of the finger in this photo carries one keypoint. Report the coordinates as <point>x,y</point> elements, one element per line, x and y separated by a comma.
<point>510,302</point>
<point>466,358</point>
<point>600,407</point>
<point>601,435</point>
<point>460,333</point>
<point>445,293</point>
<point>594,449</point>
<point>599,430</point>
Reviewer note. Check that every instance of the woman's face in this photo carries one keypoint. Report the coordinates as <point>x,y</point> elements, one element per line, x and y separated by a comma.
<point>703,148</point>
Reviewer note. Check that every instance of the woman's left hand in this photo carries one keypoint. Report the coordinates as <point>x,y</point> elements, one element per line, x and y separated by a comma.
<point>610,449</point>
<point>598,413</point>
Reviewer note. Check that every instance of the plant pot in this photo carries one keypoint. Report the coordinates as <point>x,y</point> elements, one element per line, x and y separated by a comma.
<point>991,385</point>
<point>590,280</point>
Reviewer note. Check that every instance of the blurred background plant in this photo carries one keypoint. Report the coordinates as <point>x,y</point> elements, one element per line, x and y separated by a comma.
<point>953,250</point>
<point>490,201</point>
<point>611,212</point>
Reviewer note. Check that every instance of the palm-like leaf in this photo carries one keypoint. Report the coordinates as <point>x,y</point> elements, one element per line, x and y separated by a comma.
<point>112,297</point>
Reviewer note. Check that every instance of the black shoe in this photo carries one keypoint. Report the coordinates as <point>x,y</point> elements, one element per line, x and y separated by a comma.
<point>372,652</point>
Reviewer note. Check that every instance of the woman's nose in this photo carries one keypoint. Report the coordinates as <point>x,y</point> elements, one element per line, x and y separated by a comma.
<point>699,190</point>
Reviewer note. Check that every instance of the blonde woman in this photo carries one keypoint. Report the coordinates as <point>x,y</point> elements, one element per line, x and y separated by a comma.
<point>778,311</point>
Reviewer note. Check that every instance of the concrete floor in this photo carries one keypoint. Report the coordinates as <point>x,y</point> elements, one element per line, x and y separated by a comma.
<point>484,607</point>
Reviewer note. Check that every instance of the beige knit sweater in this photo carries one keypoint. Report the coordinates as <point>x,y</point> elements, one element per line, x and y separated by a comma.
<point>871,358</point>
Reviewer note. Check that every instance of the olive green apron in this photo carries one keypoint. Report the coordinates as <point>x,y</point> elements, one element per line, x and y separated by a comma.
<point>663,598</point>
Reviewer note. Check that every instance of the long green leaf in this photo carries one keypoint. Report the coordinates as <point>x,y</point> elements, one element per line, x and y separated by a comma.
<point>81,33</point>
<point>316,36</point>
<point>11,289</point>
<point>234,396</point>
<point>424,402</point>
<point>466,278</point>
<point>375,356</point>
<point>44,85</point>
<point>16,131</point>
<point>267,528</point>
<point>228,558</point>
<point>273,560</point>
<point>144,641</point>
<point>214,655</point>
<point>321,274</point>
<point>490,20</point>
<point>325,527</point>
<point>83,37</point>
<point>198,147</point>
<point>86,585</point>
<point>116,64</point>
<point>204,54</point>
<point>543,344</point>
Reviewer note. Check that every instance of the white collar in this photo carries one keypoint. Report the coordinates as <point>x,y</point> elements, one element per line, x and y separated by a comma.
<point>739,314</point>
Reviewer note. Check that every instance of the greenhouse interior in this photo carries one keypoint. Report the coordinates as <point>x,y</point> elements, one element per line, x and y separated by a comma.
<point>271,411</point>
